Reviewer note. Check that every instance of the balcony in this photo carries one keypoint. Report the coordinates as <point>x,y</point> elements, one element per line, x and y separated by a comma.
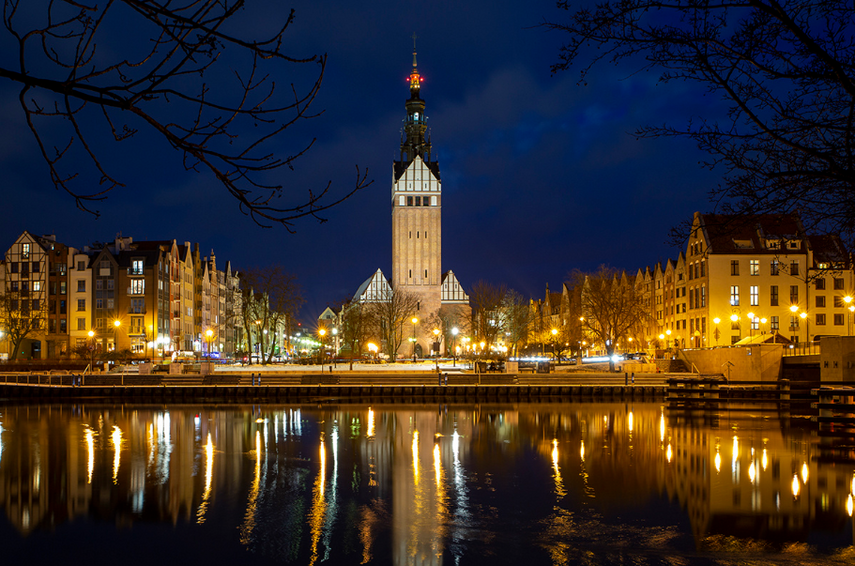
<point>136,271</point>
<point>136,310</point>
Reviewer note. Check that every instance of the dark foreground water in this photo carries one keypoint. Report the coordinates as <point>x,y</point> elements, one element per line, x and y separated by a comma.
<point>577,483</point>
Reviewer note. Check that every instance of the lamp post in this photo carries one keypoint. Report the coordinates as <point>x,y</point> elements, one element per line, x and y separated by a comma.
<point>735,318</point>
<point>716,320</point>
<point>848,300</point>
<point>414,321</point>
<point>454,332</point>
<point>91,350</point>
<point>116,324</point>
<point>209,335</point>
<point>436,346</point>
<point>554,334</point>
<point>321,333</point>
<point>751,324</point>
<point>804,317</point>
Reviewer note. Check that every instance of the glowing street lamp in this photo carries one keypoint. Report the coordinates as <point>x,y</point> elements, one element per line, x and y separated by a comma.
<point>454,332</point>
<point>415,321</point>
<point>848,300</point>
<point>554,334</point>
<point>716,320</point>
<point>116,324</point>
<point>209,334</point>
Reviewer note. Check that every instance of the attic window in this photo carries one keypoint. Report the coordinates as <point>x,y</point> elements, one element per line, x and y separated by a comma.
<point>793,245</point>
<point>743,244</point>
<point>773,244</point>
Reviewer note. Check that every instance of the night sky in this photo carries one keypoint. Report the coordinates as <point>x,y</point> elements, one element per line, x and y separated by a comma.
<point>540,175</point>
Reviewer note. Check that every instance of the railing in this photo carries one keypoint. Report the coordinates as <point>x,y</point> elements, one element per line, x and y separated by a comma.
<point>803,349</point>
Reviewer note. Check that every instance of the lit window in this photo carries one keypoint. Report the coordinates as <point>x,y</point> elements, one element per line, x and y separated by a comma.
<point>754,267</point>
<point>734,295</point>
<point>755,295</point>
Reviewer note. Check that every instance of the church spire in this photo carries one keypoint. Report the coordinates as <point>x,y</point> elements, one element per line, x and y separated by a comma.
<point>416,125</point>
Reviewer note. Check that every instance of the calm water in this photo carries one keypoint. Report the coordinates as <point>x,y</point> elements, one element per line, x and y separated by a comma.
<point>577,483</point>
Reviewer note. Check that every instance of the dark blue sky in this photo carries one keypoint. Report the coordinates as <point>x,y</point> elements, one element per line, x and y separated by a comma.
<point>540,175</point>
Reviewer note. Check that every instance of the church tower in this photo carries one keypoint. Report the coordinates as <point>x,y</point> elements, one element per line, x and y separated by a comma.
<point>417,208</point>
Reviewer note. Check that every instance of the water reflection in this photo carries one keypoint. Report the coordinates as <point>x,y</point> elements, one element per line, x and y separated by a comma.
<point>538,483</point>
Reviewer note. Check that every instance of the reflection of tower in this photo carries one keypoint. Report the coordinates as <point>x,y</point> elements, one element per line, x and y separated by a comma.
<point>416,210</point>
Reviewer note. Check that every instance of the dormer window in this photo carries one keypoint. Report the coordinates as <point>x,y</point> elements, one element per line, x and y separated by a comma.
<point>773,244</point>
<point>793,245</point>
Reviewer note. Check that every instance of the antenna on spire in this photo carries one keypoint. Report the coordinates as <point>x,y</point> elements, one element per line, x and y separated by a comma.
<point>414,48</point>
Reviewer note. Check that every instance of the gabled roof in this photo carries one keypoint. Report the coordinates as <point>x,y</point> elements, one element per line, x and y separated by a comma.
<point>829,249</point>
<point>730,233</point>
<point>398,167</point>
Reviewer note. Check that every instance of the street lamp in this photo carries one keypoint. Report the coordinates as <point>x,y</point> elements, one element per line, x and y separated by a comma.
<point>454,332</point>
<point>415,321</point>
<point>716,320</point>
<point>803,316</point>
<point>751,324</point>
<point>209,334</point>
<point>848,299</point>
<point>554,334</point>
<point>321,333</point>
<point>91,350</point>
<point>116,324</point>
<point>436,346</point>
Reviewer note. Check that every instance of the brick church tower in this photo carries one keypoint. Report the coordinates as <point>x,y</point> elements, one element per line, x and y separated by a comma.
<point>417,209</point>
<point>417,238</point>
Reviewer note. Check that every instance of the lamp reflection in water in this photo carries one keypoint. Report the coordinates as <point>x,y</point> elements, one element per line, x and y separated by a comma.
<point>248,525</point>
<point>560,492</point>
<point>795,485</point>
<point>117,447</point>
<point>416,457</point>
<point>370,432</point>
<point>90,447</point>
<point>316,515</point>
<point>209,476</point>
<point>717,458</point>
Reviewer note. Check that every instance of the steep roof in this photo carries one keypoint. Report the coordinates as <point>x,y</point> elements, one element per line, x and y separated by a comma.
<point>730,233</point>
<point>399,167</point>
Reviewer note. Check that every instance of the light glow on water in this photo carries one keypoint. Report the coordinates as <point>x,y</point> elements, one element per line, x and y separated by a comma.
<point>117,456</point>
<point>329,498</point>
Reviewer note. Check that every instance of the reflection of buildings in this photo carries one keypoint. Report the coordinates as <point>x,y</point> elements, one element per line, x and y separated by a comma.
<point>409,485</point>
<point>740,480</point>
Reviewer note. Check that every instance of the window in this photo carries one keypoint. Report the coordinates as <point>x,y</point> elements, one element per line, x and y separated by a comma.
<point>81,304</point>
<point>35,304</point>
<point>36,267</point>
<point>838,320</point>
<point>794,267</point>
<point>409,201</point>
<point>13,286</point>
<point>734,324</point>
<point>99,303</point>
<point>81,266</point>
<point>138,305</point>
<point>703,296</point>
<point>81,285</point>
<point>62,307</point>
<point>110,283</point>
<point>794,323</point>
<point>755,323</point>
<point>137,287</point>
<point>773,323</point>
<point>820,301</point>
<point>37,286</point>
<point>838,283</point>
<point>137,267</point>
<point>794,294</point>
<point>754,267</point>
<point>99,323</point>
<point>819,284</point>
<point>755,295</point>
<point>734,267</point>
<point>820,319</point>
<point>734,295</point>
<point>25,251</point>
<point>773,296</point>
<point>81,324</point>
<point>63,325</point>
<point>838,301</point>
<point>99,284</point>
<point>14,267</point>
<point>62,285</point>
<point>774,267</point>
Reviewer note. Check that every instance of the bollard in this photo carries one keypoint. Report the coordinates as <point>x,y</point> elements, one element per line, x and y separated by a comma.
<point>446,379</point>
<point>625,379</point>
<point>633,379</point>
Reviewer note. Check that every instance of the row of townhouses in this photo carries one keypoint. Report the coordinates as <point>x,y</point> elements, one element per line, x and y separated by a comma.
<point>738,278</point>
<point>154,298</point>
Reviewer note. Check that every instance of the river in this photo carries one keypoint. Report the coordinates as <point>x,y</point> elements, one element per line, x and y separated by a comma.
<point>539,483</point>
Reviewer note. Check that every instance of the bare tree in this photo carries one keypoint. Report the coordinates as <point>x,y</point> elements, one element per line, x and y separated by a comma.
<point>23,312</point>
<point>390,315</point>
<point>355,327</point>
<point>518,319</point>
<point>785,67</point>
<point>611,307</point>
<point>487,320</point>
<point>187,75</point>
<point>271,300</point>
